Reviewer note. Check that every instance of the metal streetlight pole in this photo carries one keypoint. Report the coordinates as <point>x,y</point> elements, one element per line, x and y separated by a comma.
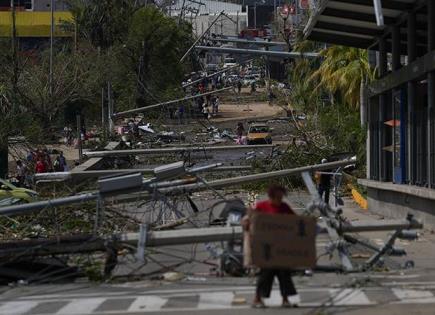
<point>51,48</point>
<point>274,10</point>
<point>255,15</point>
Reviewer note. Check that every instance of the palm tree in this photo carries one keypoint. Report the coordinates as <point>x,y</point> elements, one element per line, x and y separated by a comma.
<point>346,70</point>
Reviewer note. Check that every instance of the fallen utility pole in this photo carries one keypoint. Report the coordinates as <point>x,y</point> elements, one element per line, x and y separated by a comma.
<point>176,150</point>
<point>144,171</point>
<point>24,209</point>
<point>379,225</point>
<point>28,208</point>
<point>336,226</point>
<point>141,109</point>
<point>200,37</point>
<point>228,182</point>
<point>89,243</point>
<point>269,53</point>
<point>246,41</point>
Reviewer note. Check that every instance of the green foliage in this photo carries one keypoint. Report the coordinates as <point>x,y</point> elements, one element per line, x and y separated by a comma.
<point>301,96</point>
<point>343,71</point>
<point>102,22</point>
<point>331,127</point>
<point>340,124</point>
<point>149,69</point>
<point>137,48</point>
<point>76,78</point>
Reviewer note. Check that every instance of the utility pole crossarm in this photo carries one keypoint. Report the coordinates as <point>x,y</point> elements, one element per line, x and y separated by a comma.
<point>228,182</point>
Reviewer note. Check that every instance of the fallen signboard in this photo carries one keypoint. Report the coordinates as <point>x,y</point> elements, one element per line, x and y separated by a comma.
<point>282,241</point>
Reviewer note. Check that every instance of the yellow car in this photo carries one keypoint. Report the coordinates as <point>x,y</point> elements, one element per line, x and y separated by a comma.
<point>259,134</point>
<point>10,194</point>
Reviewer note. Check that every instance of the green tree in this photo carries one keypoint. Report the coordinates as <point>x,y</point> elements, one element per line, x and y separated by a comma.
<point>76,79</point>
<point>154,47</point>
<point>346,71</point>
<point>102,22</point>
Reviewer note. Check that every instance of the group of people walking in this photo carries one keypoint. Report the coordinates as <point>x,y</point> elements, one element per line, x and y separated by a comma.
<point>211,106</point>
<point>39,161</point>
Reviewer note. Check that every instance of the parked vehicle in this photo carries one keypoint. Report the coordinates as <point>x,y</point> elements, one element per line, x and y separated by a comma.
<point>211,67</point>
<point>249,79</point>
<point>259,134</point>
<point>229,62</point>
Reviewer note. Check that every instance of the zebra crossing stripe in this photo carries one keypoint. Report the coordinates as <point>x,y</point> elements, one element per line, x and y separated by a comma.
<point>17,308</point>
<point>147,304</point>
<point>81,306</point>
<point>205,301</point>
<point>215,301</point>
<point>413,296</point>
<point>349,297</point>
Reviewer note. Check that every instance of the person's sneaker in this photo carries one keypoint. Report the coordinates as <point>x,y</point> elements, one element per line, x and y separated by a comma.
<point>287,304</point>
<point>258,304</point>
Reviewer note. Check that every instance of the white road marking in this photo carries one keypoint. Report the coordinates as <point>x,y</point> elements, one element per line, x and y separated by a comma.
<point>413,296</point>
<point>17,308</point>
<point>71,295</point>
<point>410,283</point>
<point>219,300</point>
<point>136,293</point>
<point>81,306</point>
<point>349,297</point>
<point>147,303</point>
<point>414,276</point>
<point>215,301</point>
<point>276,298</point>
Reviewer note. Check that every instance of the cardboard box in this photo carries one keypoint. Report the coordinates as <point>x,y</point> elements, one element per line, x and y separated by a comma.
<point>281,241</point>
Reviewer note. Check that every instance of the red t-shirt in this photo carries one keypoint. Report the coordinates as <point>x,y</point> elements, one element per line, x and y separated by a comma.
<point>267,207</point>
<point>40,167</point>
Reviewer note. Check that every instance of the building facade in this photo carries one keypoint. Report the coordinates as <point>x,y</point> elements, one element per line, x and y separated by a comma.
<point>202,14</point>
<point>400,113</point>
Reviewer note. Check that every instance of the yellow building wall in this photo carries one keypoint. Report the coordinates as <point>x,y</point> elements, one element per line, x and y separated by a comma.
<point>34,24</point>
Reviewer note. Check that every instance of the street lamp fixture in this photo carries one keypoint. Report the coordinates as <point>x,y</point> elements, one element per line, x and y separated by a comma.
<point>284,12</point>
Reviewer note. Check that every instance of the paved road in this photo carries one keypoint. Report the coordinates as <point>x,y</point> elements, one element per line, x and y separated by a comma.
<point>202,299</point>
<point>402,292</point>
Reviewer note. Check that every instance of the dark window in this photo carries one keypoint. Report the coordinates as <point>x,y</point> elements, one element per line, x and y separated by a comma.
<point>5,3</point>
<point>26,4</point>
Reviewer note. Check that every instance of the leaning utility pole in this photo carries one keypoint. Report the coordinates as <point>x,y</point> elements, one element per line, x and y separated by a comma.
<point>141,109</point>
<point>200,37</point>
<point>14,45</point>
<point>110,108</point>
<point>103,114</point>
<point>79,137</point>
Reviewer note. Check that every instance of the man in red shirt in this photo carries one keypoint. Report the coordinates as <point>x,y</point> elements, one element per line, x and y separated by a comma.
<point>274,205</point>
<point>40,166</point>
